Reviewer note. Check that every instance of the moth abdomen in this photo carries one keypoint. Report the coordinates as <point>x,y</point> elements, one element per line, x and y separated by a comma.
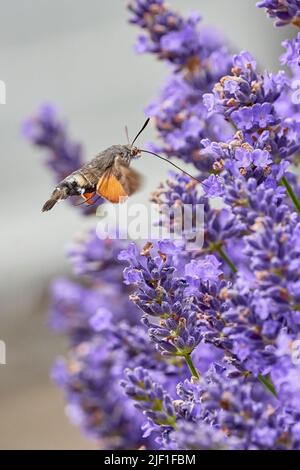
<point>59,193</point>
<point>74,185</point>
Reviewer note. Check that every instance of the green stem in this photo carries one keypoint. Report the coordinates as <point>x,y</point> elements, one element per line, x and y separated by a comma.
<point>227,260</point>
<point>192,368</point>
<point>267,382</point>
<point>291,193</point>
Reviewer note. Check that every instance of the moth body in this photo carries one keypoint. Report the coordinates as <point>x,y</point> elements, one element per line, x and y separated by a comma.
<point>108,175</point>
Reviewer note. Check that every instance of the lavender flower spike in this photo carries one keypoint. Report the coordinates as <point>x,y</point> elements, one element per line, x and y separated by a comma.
<point>150,397</point>
<point>284,11</point>
<point>46,131</point>
<point>212,334</point>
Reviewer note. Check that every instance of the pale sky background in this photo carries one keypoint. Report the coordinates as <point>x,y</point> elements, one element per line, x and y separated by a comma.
<point>77,54</point>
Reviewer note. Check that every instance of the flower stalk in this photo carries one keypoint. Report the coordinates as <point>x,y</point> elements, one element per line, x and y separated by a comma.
<point>291,193</point>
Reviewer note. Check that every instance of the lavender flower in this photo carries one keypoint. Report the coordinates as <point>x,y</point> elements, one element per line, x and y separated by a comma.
<point>161,294</point>
<point>206,269</point>
<point>234,91</point>
<point>267,136</point>
<point>291,57</point>
<point>215,313</point>
<point>176,39</point>
<point>204,342</point>
<point>237,158</point>
<point>219,225</point>
<point>213,186</point>
<point>45,130</point>
<point>274,255</point>
<point>245,95</point>
<point>197,436</point>
<point>251,201</point>
<point>96,258</point>
<point>248,416</point>
<point>81,311</point>
<point>200,58</point>
<point>182,121</point>
<point>90,379</point>
<point>150,397</point>
<point>284,11</point>
<point>286,374</point>
<point>73,306</point>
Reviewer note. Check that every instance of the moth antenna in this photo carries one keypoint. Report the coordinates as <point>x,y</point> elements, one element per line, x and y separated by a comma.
<point>173,164</point>
<point>142,130</point>
<point>127,135</point>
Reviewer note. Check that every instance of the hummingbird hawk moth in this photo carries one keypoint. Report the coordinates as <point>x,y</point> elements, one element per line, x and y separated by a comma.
<point>107,175</point>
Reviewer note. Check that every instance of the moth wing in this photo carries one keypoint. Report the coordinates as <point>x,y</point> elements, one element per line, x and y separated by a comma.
<point>129,179</point>
<point>118,182</point>
<point>88,197</point>
<point>110,188</point>
<point>98,167</point>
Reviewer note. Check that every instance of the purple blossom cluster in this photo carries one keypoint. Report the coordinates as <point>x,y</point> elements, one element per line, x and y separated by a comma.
<point>239,291</point>
<point>248,415</point>
<point>178,349</point>
<point>105,336</point>
<point>284,11</point>
<point>46,131</point>
<point>90,377</point>
<point>102,326</point>
<point>176,39</point>
<point>291,58</point>
<point>250,100</point>
<point>199,57</point>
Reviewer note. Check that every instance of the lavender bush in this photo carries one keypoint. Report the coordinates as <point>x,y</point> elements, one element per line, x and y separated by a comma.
<point>174,349</point>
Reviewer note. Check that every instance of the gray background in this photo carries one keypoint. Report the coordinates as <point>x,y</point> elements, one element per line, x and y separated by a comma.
<point>78,54</point>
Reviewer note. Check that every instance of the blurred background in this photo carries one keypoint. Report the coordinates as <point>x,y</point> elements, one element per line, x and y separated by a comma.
<point>77,54</point>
